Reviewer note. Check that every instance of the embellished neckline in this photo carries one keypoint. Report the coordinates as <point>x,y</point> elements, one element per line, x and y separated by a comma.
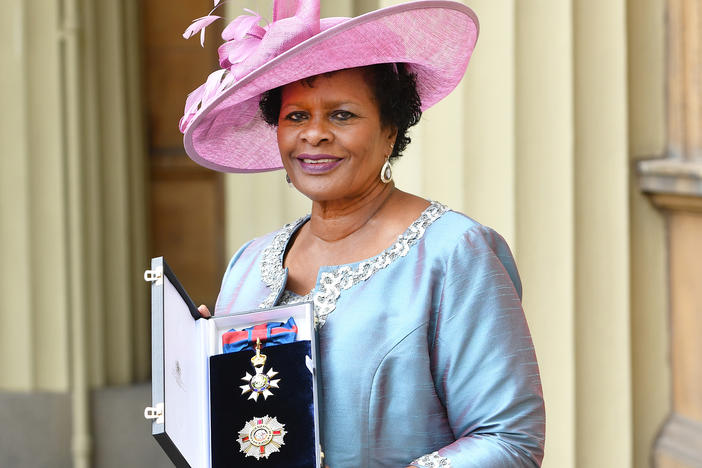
<point>333,278</point>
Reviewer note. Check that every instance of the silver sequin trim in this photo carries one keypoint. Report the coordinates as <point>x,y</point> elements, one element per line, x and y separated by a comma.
<point>272,271</point>
<point>343,277</point>
<point>432,460</point>
<point>289,297</point>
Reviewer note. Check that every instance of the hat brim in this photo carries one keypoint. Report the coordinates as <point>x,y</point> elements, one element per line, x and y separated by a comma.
<point>435,38</point>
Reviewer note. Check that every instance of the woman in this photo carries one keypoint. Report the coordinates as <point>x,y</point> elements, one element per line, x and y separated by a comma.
<point>425,354</point>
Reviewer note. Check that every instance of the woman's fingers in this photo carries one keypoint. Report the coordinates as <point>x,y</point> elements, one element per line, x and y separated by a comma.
<point>204,311</point>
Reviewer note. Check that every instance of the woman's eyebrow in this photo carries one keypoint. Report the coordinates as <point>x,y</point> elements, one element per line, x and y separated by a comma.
<point>340,102</point>
<point>292,104</point>
<point>326,104</point>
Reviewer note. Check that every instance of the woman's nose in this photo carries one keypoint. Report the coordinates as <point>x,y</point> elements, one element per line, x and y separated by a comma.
<point>316,131</point>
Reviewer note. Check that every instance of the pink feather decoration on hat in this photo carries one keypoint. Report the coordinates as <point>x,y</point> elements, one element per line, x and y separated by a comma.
<point>242,37</point>
<point>248,45</point>
<point>243,25</point>
<point>216,82</point>
<point>199,25</point>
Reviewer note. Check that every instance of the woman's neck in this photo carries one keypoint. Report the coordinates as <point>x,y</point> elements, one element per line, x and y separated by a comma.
<point>331,221</point>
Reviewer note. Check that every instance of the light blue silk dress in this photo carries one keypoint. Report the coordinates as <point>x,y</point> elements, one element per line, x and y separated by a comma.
<point>426,357</point>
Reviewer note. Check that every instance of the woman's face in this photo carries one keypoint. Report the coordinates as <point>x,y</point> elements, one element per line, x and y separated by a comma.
<point>330,136</point>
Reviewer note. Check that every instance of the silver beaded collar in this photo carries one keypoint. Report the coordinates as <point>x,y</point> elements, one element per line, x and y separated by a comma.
<point>340,277</point>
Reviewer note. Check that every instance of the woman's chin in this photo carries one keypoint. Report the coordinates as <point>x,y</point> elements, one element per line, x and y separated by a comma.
<point>317,191</point>
<point>319,194</point>
<point>318,186</point>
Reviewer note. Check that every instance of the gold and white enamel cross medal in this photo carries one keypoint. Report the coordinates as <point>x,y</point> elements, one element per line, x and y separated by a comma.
<point>261,436</point>
<point>259,383</point>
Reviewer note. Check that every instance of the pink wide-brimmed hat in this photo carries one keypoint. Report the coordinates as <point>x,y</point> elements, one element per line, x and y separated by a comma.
<point>222,124</point>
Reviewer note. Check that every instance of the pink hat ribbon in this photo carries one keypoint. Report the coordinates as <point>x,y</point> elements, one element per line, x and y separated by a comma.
<point>247,46</point>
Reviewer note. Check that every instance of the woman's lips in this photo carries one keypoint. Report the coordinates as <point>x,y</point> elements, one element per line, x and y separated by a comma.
<point>317,163</point>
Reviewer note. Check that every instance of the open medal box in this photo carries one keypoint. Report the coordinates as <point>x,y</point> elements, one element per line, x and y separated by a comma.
<point>216,409</point>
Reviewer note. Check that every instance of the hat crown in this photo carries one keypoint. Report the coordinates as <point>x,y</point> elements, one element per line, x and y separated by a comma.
<point>301,8</point>
<point>294,21</point>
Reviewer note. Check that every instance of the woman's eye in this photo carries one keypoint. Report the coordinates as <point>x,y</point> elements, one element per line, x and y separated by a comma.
<point>342,115</point>
<point>296,116</point>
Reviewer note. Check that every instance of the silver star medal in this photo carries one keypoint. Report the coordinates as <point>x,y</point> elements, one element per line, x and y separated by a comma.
<point>261,436</point>
<point>260,382</point>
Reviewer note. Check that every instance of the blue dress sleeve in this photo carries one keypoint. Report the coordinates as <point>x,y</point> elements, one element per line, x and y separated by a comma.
<point>483,361</point>
<point>226,278</point>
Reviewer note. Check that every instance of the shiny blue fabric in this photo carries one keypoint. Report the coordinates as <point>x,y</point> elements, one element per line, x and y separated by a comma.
<point>430,353</point>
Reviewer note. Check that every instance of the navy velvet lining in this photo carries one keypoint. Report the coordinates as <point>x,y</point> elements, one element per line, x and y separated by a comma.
<point>292,404</point>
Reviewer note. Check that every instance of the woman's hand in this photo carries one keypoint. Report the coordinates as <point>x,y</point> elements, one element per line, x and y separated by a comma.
<point>204,311</point>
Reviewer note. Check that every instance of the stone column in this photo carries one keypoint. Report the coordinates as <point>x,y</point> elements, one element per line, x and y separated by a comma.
<point>674,184</point>
<point>72,241</point>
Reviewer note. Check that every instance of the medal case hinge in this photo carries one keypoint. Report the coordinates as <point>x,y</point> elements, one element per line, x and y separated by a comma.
<point>151,412</point>
<point>154,276</point>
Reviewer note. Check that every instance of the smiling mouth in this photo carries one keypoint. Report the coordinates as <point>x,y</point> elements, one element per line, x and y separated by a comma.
<point>318,161</point>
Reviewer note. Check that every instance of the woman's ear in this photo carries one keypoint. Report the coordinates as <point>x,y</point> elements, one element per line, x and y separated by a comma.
<point>392,136</point>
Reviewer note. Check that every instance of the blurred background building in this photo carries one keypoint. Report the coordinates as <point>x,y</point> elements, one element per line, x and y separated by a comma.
<point>577,134</point>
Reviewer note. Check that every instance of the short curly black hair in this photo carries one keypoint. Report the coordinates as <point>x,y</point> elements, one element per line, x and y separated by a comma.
<point>395,90</point>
